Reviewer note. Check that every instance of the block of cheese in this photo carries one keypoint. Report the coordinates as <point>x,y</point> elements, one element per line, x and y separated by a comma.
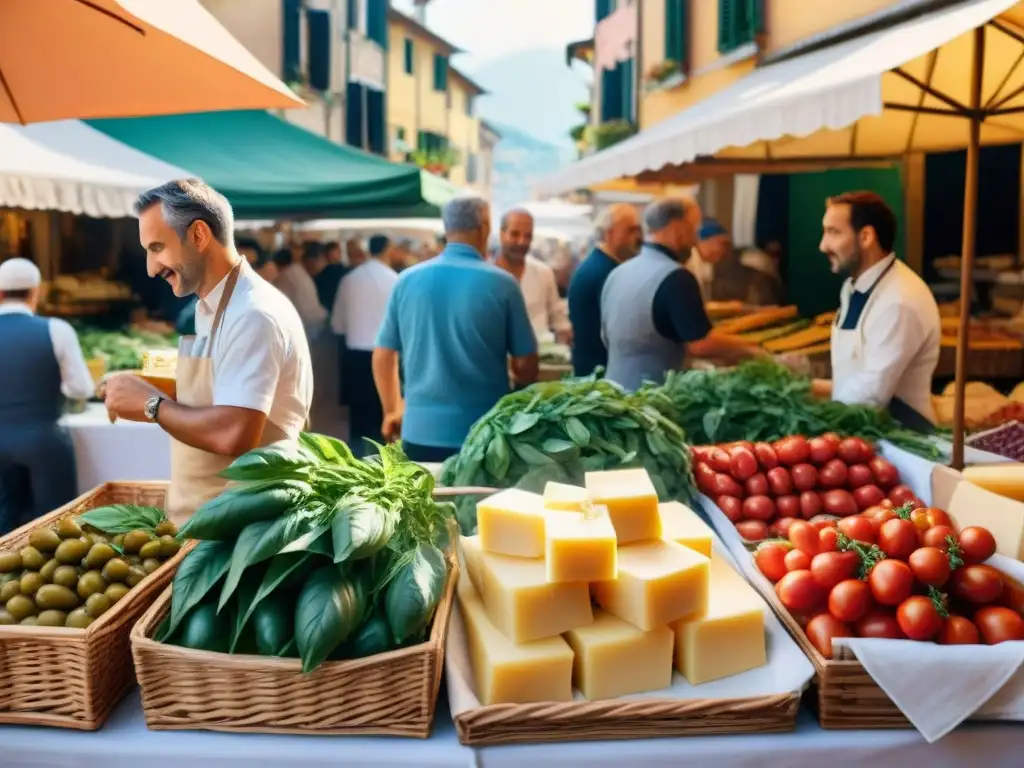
<point>614,658</point>
<point>1003,479</point>
<point>682,525</point>
<point>511,522</point>
<point>631,500</point>
<point>563,497</point>
<point>730,637</point>
<point>512,673</point>
<point>1002,516</point>
<point>658,583</point>
<point>518,598</point>
<point>580,546</point>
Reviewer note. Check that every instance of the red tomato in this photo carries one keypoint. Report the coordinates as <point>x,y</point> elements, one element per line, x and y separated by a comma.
<point>901,494</point>
<point>719,460</point>
<point>731,507</point>
<point>783,524</point>
<point>771,561</point>
<point>779,481</point>
<point>898,538</point>
<point>938,536</point>
<point>823,629</point>
<point>977,584</point>
<point>752,530</point>
<point>868,496</point>
<point>858,475</point>
<point>838,502</point>
<point>799,592</point>
<point>828,540</point>
<point>759,508</point>
<point>810,505</point>
<point>742,463</point>
<point>792,450</point>
<point>822,451</point>
<point>788,506</point>
<point>832,437</point>
<point>936,516</point>
<point>919,618</point>
<point>797,560</point>
<point>699,453</point>
<point>805,477</point>
<point>756,485</point>
<point>930,566</point>
<point>849,600</point>
<point>1012,597</point>
<point>891,582</point>
<point>958,631</point>
<point>880,623</point>
<point>858,528</point>
<point>978,544</point>
<point>886,475</point>
<point>830,568</point>
<point>705,477</point>
<point>726,486</point>
<point>999,625</point>
<point>832,474</point>
<point>853,450</point>
<point>804,537</point>
<point>766,456</point>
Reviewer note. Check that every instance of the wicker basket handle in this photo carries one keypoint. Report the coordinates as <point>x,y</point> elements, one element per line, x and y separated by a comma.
<point>467,490</point>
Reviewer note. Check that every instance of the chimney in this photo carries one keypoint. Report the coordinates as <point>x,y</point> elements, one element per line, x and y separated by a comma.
<point>421,10</point>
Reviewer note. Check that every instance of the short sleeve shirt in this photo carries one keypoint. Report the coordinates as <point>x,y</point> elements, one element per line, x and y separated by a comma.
<point>588,349</point>
<point>678,311</point>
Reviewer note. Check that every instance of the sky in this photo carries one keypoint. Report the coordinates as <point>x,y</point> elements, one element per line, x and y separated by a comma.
<point>488,29</point>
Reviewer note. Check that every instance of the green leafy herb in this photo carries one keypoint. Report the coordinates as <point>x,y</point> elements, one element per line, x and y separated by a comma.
<point>225,516</point>
<point>122,518</point>
<point>414,591</point>
<point>361,529</point>
<point>273,621</point>
<point>199,572</point>
<point>329,608</point>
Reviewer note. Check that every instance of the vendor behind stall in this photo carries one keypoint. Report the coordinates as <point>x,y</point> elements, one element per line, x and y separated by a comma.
<point>42,365</point>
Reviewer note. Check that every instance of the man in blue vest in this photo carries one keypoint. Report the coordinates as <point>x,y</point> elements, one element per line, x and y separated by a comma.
<point>43,366</point>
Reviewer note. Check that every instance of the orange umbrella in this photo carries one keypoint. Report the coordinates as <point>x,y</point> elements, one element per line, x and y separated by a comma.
<point>64,59</point>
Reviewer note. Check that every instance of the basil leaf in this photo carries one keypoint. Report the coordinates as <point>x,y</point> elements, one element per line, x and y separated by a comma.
<point>325,448</point>
<point>122,518</point>
<point>274,625</point>
<point>197,575</point>
<point>329,608</point>
<point>225,516</point>
<point>278,460</point>
<point>415,590</point>
<point>361,530</point>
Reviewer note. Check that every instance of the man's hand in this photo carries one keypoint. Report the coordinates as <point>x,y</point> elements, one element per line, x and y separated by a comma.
<point>391,427</point>
<point>126,395</point>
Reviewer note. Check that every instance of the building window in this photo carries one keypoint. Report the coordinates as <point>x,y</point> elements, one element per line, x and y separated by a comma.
<point>470,103</point>
<point>739,21</point>
<point>677,32</point>
<point>291,30</point>
<point>472,172</point>
<point>440,73</point>
<point>410,54</point>
<point>377,22</point>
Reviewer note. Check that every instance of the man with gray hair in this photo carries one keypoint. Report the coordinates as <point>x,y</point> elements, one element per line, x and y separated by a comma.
<point>651,307</point>
<point>244,379</point>
<point>451,323</point>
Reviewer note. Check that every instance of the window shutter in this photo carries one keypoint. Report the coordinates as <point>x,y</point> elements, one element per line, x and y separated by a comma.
<point>291,24</point>
<point>352,15</point>
<point>674,37</point>
<point>375,122</point>
<point>611,94</point>
<point>440,72</point>
<point>410,54</point>
<point>354,115</point>
<point>727,12</point>
<point>603,9</point>
<point>318,44</point>
<point>377,22</point>
<point>754,19</point>
<point>628,69</point>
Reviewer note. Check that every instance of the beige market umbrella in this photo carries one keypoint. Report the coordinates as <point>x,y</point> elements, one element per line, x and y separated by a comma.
<point>104,58</point>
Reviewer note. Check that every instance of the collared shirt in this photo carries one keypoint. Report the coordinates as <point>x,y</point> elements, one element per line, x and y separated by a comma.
<point>454,320</point>
<point>901,331</point>
<point>76,383</point>
<point>702,271</point>
<point>588,349</point>
<point>298,285</point>
<point>360,303</point>
<point>548,312</point>
<point>260,355</point>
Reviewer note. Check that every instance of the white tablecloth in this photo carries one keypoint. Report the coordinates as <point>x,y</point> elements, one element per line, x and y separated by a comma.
<point>124,450</point>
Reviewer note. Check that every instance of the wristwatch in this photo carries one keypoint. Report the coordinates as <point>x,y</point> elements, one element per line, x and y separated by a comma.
<point>152,407</point>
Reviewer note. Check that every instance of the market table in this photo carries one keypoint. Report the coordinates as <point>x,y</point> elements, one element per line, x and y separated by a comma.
<point>124,450</point>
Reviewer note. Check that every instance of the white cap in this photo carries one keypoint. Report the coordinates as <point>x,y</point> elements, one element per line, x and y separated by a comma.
<point>19,275</point>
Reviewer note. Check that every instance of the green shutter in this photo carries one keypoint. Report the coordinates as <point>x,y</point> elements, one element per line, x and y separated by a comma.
<point>676,37</point>
<point>727,13</point>
<point>440,73</point>
<point>739,22</point>
<point>628,69</point>
<point>410,53</point>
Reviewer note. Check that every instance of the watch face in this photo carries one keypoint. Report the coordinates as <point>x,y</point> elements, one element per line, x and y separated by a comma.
<point>151,408</point>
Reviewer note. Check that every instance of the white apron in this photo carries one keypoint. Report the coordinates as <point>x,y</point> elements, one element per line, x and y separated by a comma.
<point>848,351</point>
<point>194,472</point>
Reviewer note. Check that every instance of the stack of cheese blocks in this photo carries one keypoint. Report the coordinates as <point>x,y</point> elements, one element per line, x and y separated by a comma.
<point>661,601</point>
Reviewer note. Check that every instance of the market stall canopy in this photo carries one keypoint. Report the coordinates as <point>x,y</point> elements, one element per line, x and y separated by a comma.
<point>104,58</point>
<point>269,168</point>
<point>902,89</point>
<point>67,166</point>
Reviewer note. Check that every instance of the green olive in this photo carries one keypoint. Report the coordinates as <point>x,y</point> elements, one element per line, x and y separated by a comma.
<point>97,538</point>
<point>79,619</point>
<point>116,591</point>
<point>136,574</point>
<point>10,562</point>
<point>150,564</point>
<point>44,539</point>
<point>32,559</point>
<point>52,618</point>
<point>169,546</point>
<point>20,606</point>
<point>55,597</point>
<point>29,621</point>
<point>68,528</point>
<point>166,528</point>
<point>49,569</point>
<point>6,618</point>
<point>97,605</point>
<point>116,569</point>
<point>118,541</point>
<point>90,583</point>
<point>66,576</point>
<point>134,560</point>
<point>31,582</point>
<point>151,549</point>
<point>136,540</point>
<point>9,590</point>
<point>71,551</point>
<point>98,555</point>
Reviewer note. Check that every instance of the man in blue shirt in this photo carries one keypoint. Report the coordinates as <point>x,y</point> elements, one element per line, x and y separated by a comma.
<point>452,323</point>
<point>619,239</point>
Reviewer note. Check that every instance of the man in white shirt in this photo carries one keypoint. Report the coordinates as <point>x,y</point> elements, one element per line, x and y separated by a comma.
<point>887,332</point>
<point>295,282</point>
<point>245,379</point>
<point>43,365</point>
<point>358,313</point>
<point>549,313</point>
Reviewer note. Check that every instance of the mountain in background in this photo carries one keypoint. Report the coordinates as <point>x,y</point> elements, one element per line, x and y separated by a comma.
<point>520,161</point>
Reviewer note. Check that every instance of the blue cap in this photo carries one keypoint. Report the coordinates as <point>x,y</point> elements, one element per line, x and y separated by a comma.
<point>710,228</point>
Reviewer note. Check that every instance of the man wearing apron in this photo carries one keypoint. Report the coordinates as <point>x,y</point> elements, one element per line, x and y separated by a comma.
<point>245,379</point>
<point>885,339</point>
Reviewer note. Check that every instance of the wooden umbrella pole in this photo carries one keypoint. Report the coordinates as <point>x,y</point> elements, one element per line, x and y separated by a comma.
<point>967,249</point>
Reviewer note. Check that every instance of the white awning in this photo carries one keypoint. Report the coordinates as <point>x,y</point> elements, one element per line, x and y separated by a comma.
<point>842,102</point>
<point>69,166</point>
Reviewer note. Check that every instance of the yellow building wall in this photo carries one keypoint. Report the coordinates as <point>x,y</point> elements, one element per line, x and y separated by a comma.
<point>463,131</point>
<point>401,93</point>
<point>413,104</point>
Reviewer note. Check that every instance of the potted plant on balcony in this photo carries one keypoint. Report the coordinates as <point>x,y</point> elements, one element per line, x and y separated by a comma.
<point>664,74</point>
<point>612,132</point>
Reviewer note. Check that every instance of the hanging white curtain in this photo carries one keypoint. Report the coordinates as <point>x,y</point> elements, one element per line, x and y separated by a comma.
<point>744,210</point>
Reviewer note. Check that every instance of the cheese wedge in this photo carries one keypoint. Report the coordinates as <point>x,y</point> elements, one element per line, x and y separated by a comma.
<point>1004,479</point>
<point>1003,517</point>
<point>580,547</point>
<point>682,525</point>
<point>730,637</point>
<point>509,673</point>
<point>658,582</point>
<point>565,498</point>
<point>518,598</point>
<point>614,658</point>
<point>631,500</point>
<point>511,522</point>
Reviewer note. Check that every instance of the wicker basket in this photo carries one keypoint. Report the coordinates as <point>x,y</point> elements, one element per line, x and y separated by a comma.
<point>73,678</point>
<point>391,694</point>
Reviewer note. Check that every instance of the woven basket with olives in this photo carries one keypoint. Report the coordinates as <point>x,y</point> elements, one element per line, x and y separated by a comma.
<point>72,572</point>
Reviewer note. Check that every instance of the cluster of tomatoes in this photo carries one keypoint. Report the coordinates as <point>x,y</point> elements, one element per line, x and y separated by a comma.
<point>763,487</point>
<point>891,572</point>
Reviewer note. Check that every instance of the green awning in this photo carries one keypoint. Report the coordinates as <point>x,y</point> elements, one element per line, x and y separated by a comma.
<point>269,168</point>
